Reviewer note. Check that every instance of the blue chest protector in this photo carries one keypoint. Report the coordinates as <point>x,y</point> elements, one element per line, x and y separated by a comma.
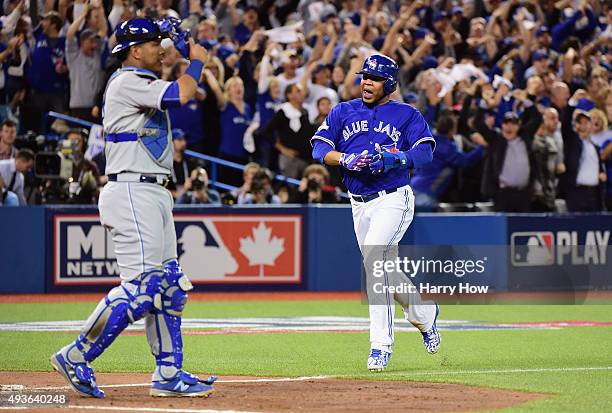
<point>154,135</point>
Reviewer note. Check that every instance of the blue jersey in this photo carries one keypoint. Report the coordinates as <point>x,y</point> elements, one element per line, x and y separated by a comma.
<point>233,126</point>
<point>435,177</point>
<point>47,55</point>
<point>352,127</point>
<point>189,118</point>
<point>266,106</point>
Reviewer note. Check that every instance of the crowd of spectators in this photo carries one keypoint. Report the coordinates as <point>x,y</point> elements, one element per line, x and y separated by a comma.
<point>517,93</point>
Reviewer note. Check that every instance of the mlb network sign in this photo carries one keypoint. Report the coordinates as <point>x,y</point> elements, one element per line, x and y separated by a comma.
<point>211,249</point>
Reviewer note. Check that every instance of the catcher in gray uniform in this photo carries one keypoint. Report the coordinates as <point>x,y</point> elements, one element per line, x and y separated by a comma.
<point>137,210</point>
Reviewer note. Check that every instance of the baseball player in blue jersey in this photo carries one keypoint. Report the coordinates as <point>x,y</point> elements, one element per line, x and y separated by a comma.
<point>376,140</point>
<point>137,210</point>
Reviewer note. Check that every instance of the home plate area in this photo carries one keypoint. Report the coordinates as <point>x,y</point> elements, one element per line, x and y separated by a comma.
<point>129,393</point>
<point>204,326</point>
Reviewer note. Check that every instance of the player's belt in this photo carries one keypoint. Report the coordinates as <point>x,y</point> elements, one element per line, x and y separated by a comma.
<point>121,137</point>
<point>134,177</point>
<point>368,198</point>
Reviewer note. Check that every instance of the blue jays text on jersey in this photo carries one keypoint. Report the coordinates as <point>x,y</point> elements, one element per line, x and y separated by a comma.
<point>352,127</point>
<point>363,126</point>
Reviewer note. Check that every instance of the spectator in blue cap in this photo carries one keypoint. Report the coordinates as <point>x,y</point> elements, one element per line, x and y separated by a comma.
<point>540,65</point>
<point>439,16</point>
<point>429,62</point>
<point>419,33</point>
<point>542,36</point>
<point>585,169</point>
<point>224,51</point>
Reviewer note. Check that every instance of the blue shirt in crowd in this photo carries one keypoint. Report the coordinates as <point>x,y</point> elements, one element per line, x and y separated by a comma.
<point>233,126</point>
<point>189,118</point>
<point>46,56</point>
<point>435,177</point>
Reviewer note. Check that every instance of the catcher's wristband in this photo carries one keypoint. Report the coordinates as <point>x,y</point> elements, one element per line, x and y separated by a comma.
<point>195,70</point>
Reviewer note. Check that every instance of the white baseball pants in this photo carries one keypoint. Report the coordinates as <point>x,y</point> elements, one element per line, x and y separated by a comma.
<point>139,218</point>
<point>379,226</point>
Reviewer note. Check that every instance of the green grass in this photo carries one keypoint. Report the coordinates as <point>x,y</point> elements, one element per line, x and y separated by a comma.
<point>344,354</point>
<point>238,309</point>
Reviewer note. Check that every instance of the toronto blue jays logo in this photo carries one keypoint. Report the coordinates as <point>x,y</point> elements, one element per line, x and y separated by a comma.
<point>390,148</point>
<point>372,64</point>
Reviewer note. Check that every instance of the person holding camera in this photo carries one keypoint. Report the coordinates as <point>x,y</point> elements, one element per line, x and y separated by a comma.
<point>260,191</point>
<point>83,189</point>
<point>197,191</point>
<point>314,187</point>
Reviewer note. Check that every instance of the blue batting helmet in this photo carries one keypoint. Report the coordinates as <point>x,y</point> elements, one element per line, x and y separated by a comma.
<point>384,67</point>
<point>136,31</point>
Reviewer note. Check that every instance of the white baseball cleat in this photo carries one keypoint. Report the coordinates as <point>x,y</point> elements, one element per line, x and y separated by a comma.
<point>378,360</point>
<point>431,337</point>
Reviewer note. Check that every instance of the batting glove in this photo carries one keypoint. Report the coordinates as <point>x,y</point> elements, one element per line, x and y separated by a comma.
<point>385,161</point>
<point>355,161</point>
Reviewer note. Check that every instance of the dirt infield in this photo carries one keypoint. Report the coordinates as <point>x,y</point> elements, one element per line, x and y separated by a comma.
<point>260,395</point>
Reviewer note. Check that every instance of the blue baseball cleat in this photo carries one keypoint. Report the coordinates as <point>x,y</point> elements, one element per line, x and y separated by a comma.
<point>431,338</point>
<point>80,376</point>
<point>183,385</point>
<point>378,360</point>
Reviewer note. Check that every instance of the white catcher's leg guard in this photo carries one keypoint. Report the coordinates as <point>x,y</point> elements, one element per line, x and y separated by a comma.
<point>163,328</point>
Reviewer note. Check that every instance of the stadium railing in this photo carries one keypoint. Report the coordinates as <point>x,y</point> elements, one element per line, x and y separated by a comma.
<point>214,162</point>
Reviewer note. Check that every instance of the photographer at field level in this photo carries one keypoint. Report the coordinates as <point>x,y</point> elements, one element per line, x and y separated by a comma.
<point>197,191</point>
<point>67,176</point>
<point>314,187</point>
<point>260,191</point>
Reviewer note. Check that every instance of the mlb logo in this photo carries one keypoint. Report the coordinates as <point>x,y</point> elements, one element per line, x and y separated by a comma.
<point>240,248</point>
<point>532,248</point>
